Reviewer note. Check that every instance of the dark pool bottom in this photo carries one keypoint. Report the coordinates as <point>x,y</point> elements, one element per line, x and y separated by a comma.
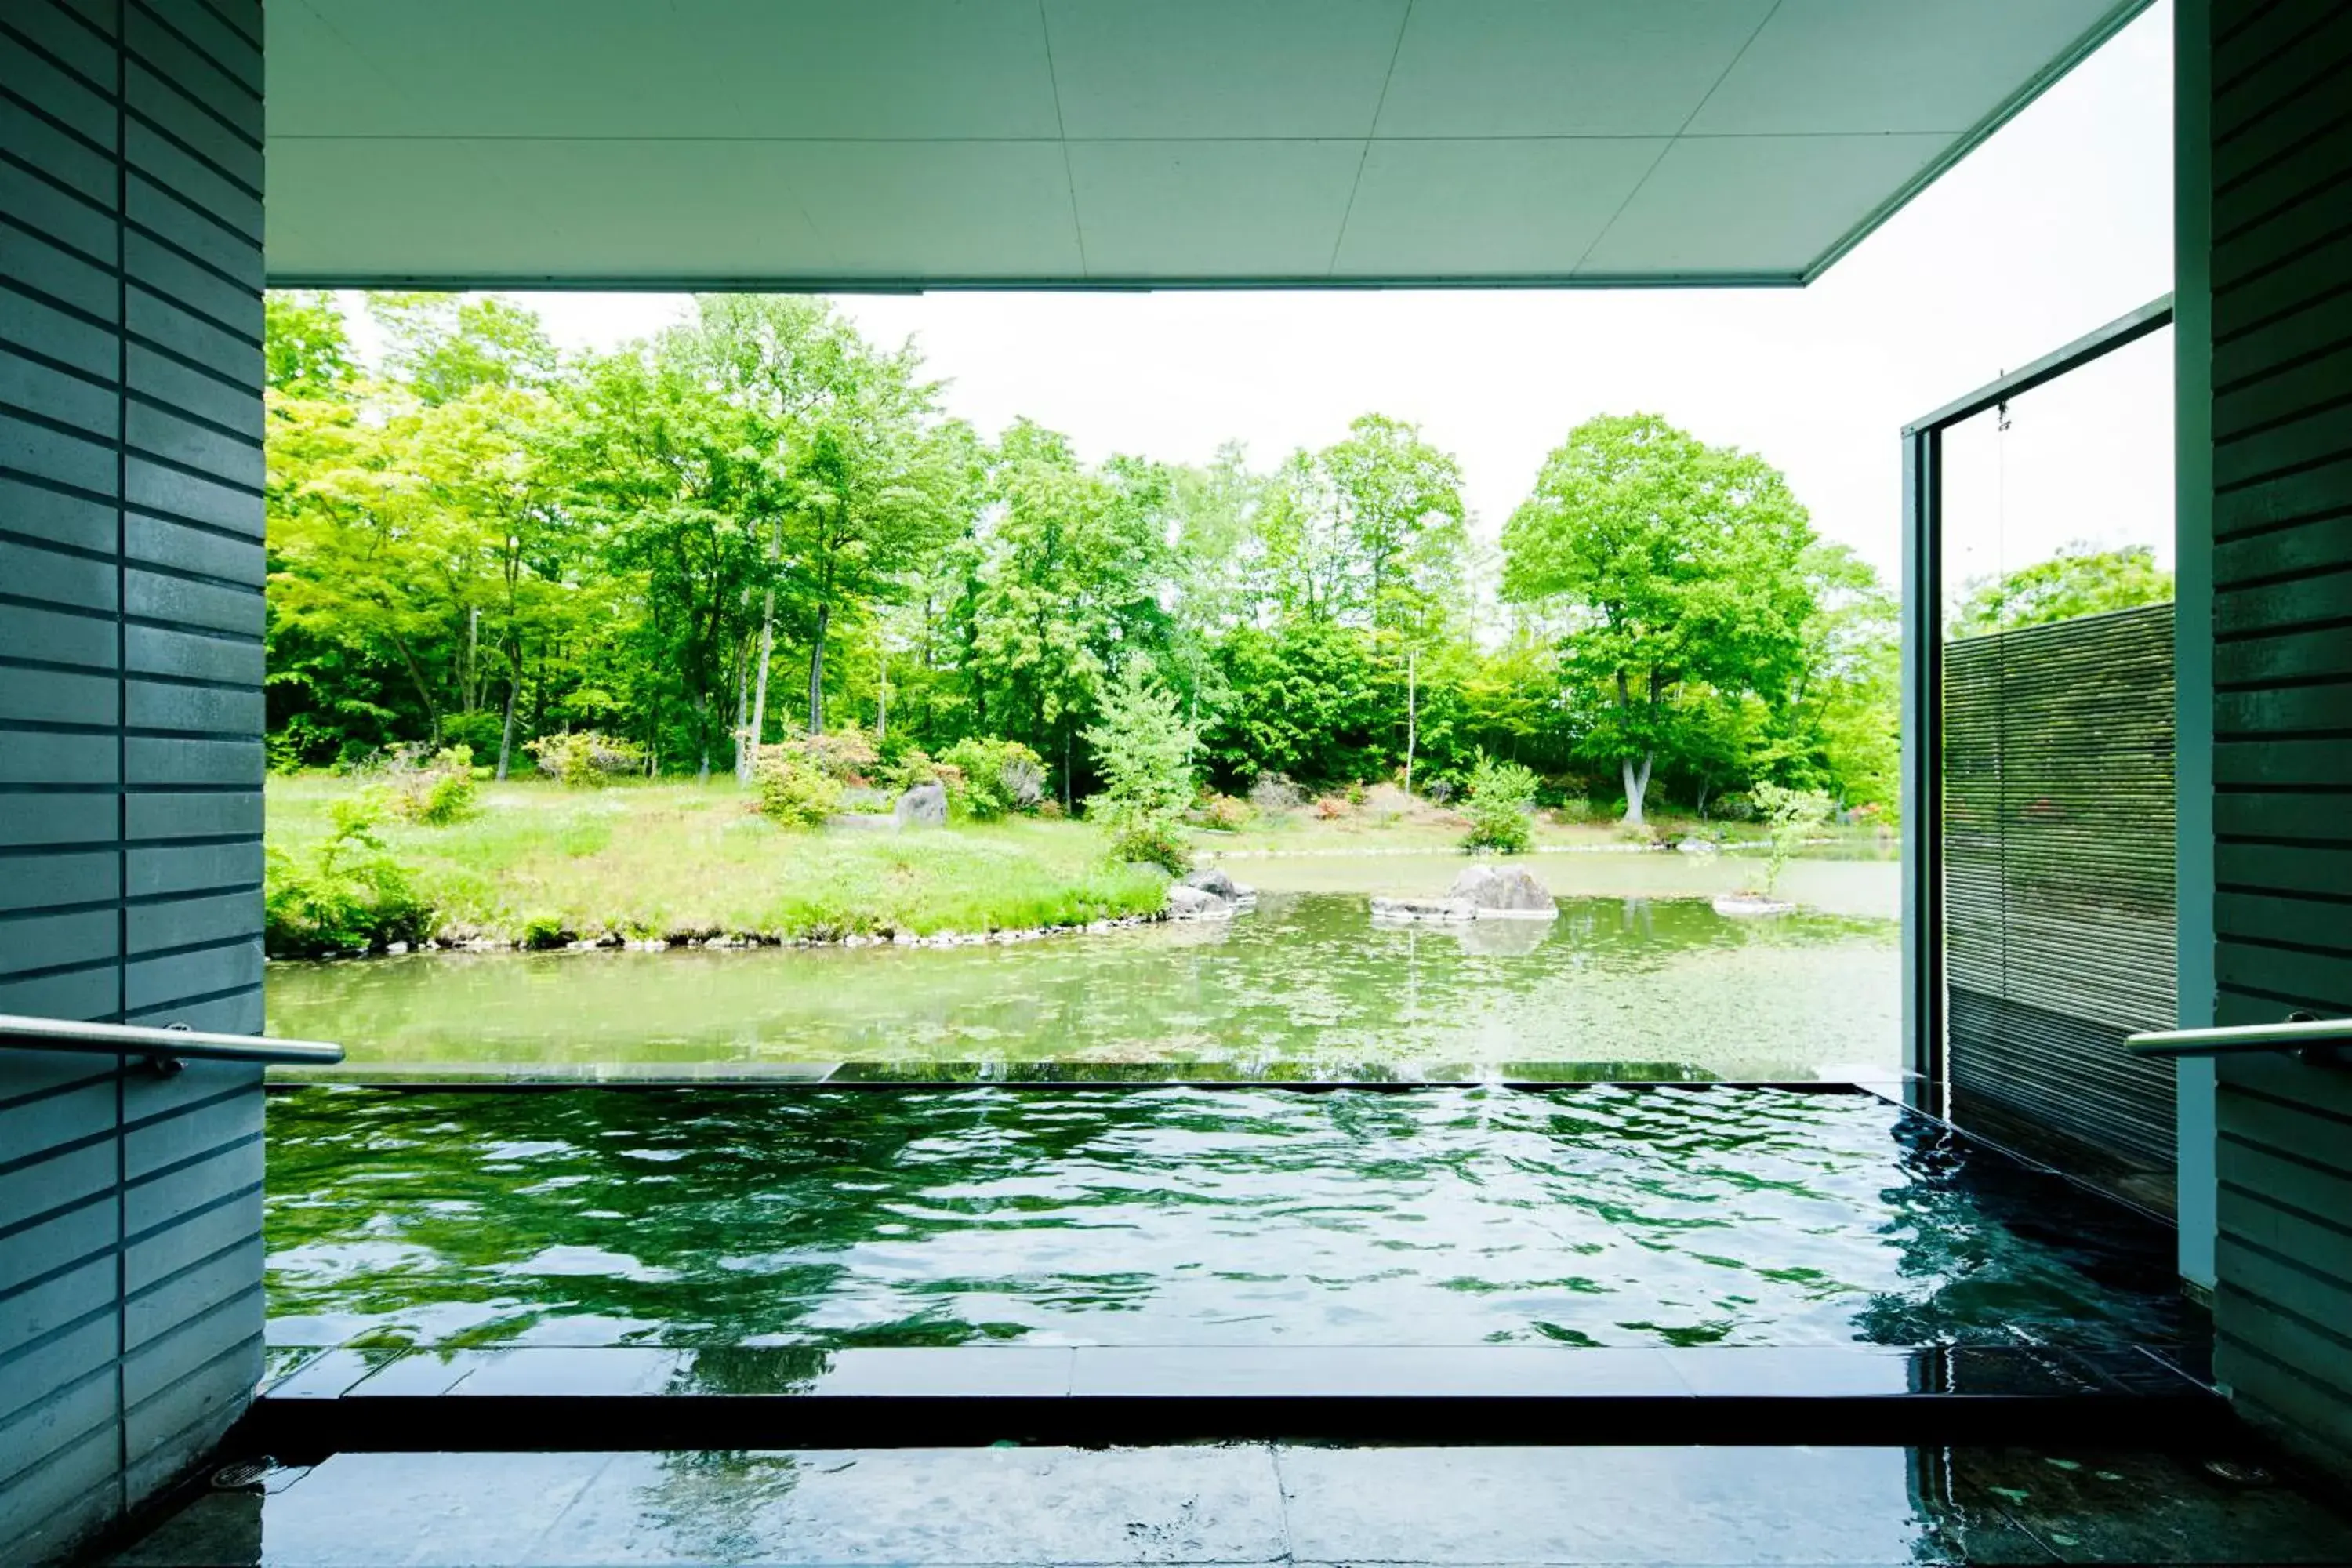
<point>1603,1215</point>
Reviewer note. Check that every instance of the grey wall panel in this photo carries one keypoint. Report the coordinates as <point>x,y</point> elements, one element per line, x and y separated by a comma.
<point>130,569</point>
<point>2281,342</point>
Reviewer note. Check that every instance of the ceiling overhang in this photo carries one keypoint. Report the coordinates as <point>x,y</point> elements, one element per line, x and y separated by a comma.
<point>833,146</point>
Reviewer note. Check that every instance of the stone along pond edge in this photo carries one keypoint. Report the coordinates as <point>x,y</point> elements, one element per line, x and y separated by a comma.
<point>1201,894</point>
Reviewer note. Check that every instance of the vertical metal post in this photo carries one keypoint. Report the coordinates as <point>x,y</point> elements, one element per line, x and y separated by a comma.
<point>1923,754</point>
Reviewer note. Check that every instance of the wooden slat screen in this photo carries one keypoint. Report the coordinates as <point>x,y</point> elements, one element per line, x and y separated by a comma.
<point>2058,877</point>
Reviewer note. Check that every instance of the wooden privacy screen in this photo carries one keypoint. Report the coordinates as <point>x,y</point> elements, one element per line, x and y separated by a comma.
<point>2058,877</point>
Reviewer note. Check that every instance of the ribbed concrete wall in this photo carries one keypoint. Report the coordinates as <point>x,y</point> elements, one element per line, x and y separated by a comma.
<point>2281,268</point>
<point>131,568</point>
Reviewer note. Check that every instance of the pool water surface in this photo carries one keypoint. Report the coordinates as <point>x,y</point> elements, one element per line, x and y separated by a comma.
<point>1604,1214</point>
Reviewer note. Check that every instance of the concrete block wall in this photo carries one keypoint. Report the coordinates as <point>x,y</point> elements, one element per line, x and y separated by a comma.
<point>130,711</point>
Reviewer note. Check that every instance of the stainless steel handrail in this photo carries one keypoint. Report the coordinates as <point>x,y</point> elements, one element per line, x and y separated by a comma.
<point>171,1045</point>
<point>2321,1040</point>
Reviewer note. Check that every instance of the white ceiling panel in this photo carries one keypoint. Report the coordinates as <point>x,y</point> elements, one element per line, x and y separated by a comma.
<point>814,143</point>
<point>1754,204</point>
<point>894,210</point>
<point>817,68</point>
<point>1860,66</point>
<point>1429,209</point>
<point>742,210</point>
<point>1561,67</point>
<point>1222,67</point>
<point>1169,209</point>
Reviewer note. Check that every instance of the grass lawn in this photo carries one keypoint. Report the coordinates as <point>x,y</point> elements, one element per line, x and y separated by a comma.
<point>642,860</point>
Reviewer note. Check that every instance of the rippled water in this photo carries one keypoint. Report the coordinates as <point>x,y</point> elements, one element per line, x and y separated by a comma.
<point>1307,978</point>
<point>1609,1216</point>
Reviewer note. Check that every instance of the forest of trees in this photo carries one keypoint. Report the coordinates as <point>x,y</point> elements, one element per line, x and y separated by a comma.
<point>759,523</point>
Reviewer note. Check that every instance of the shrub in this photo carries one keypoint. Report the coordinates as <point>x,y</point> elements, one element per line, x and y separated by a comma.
<point>1144,751</point>
<point>1576,809</point>
<point>999,777</point>
<point>1791,817</point>
<point>478,728</point>
<point>793,790</point>
<point>1501,797</point>
<point>846,757</point>
<point>349,895</point>
<point>1223,813</point>
<point>1275,795</point>
<point>585,758</point>
<point>436,792</point>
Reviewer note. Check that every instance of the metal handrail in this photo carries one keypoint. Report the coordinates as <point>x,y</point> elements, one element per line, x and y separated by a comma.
<point>2320,1040</point>
<point>173,1045</point>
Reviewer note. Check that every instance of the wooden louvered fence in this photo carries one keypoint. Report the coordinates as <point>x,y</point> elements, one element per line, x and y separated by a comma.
<point>2058,878</point>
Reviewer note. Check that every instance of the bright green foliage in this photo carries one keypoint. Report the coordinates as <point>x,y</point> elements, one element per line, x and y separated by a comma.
<point>1792,817</point>
<point>1673,571</point>
<point>309,348</point>
<point>481,541</point>
<point>583,758</point>
<point>1145,749</point>
<point>794,791</point>
<point>1502,797</point>
<point>349,895</point>
<point>444,346</point>
<point>1074,570</point>
<point>435,791</point>
<point>2077,581</point>
<point>1303,698</point>
<point>998,777</point>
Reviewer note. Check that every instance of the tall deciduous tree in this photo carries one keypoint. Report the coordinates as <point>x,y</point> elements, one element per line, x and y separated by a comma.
<point>678,484</point>
<point>1073,572</point>
<point>2077,580</point>
<point>1667,560</point>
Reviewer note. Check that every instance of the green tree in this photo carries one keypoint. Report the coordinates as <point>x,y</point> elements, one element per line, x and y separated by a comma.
<point>1665,561</point>
<point>1143,749</point>
<point>2077,580</point>
<point>1401,507</point>
<point>359,575</point>
<point>442,346</point>
<point>484,459</point>
<point>1071,576</point>
<point>306,346</point>
<point>677,485</point>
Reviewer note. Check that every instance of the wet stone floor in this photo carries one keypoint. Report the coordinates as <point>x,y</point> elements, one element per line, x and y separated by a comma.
<point>1257,1504</point>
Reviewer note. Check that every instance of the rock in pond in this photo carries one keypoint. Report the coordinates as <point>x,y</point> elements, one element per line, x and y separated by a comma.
<point>1504,892</point>
<point>1750,906</point>
<point>924,805</point>
<point>1210,880</point>
<point>1186,902</point>
<point>1431,912</point>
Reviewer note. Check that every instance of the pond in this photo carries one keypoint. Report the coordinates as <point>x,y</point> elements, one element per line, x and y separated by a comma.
<point>1602,1214</point>
<point>1639,978</point>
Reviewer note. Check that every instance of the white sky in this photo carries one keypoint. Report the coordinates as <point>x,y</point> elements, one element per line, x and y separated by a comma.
<point>2062,221</point>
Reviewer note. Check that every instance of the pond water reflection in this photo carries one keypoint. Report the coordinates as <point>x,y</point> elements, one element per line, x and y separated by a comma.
<point>1305,979</point>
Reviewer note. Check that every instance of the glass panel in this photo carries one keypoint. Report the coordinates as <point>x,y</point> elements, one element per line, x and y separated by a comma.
<point>2058,722</point>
